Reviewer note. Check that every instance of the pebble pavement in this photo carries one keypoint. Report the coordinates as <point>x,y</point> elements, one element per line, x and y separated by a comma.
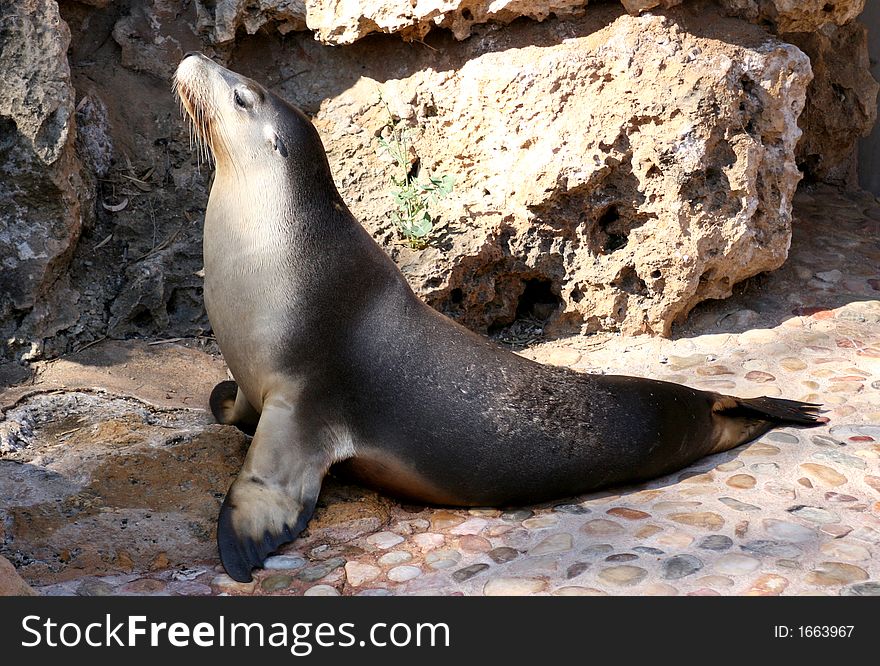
<point>795,513</point>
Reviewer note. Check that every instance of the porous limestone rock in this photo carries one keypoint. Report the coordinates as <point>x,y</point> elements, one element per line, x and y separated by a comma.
<point>796,15</point>
<point>42,194</point>
<point>841,101</point>
<point>339,22</point>
<point>611,172</point>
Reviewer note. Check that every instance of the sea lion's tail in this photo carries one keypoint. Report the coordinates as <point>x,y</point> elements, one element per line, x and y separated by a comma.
<point>740,420</point>
<point>774,410</point>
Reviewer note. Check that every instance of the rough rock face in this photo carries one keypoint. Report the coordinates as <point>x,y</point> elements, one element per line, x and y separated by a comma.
<point>158,33</point>
<point>136,267</point>
<point>11,584</point>
<point>42,197</point>
<point>611,176</point>
<point>109,498</point>
<point>338,22</point>
<point>796,15</point>
<point>841,101</point>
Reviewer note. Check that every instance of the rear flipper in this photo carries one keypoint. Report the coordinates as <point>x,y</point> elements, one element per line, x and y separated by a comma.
<point>773,410</point>
<point>740,420</point>
<point>230,407</point>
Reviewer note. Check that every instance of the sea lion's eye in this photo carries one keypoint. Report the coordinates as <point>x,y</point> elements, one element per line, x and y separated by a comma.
<point>239,100</point>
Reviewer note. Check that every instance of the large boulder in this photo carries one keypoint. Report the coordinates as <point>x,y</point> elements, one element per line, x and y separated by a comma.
<point>610,172</point>
<point>337,22</point>
<point>841,101</point>
<point>43,197</point>
<point>11,584</point>
<point>96,483</point>
<point>796,15</point>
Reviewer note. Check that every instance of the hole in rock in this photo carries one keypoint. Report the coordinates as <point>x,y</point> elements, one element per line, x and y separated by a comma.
<point>538,300</point>
<point>614,239</point>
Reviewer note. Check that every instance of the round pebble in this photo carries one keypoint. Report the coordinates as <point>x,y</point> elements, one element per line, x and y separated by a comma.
<point>503,554</point>
<point>704,519</point>
<point>442,559</point>
<point>659,590</point>
<point>284,562</point>
<point>443,520</point>
<point>628,514</point>
<point>836,573</point>
<point>394,557</point>
<point>428,540</point>
<point>823,475</point>
<point>384,540</point>
<point>601,527</point>
<point>869,589</point>
<point>843,550</point>
<point>680,566</point>
<point>276,582</point>
<point>575,591</point>
<point>676,539</point>
<point>576,569</point>
<point>622,557</point>
<point>598,549</point>
<point>321,591</point>
<point>759,376</point>
<point>404,572</point>
<point>780,490</point>
<point>624,574</point>
<point>227,584</point>
<point>468,572</point>
<point>768,585</point>
<point>786,531</point>
<point>539,522</point>
<point>734,564</point>
<point>715,542</point>
<point>648,550</point>
<point>474,544</point>
<point>736,505</point>
<point>769,469</point>
<point>576,509</point>
<point>470,526</point>
<point>517,515</point>
<point>358,573</point>
<point>505,587</point>
<point>793,364</point>
<point>555,543</point>
<point>782,437</point>
<point>375,592</point>
<point>814,514</point>
<point>772,548</point>
<point>744,481</point>
<point>318,571</point>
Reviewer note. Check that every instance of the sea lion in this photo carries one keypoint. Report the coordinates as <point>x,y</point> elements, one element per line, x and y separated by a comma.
<point>336,361</point>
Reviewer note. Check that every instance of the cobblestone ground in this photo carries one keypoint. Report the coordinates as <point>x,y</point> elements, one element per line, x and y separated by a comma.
<point>796,512</point>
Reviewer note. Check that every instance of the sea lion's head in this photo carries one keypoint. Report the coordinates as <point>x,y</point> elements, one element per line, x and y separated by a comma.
<point>243,126</point>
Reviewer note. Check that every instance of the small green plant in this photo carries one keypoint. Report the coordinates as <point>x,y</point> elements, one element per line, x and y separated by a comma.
<point>412,198</point>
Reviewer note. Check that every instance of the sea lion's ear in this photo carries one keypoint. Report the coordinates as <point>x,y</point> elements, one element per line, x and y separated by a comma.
<point>274,140</point>
<point>279,146</point>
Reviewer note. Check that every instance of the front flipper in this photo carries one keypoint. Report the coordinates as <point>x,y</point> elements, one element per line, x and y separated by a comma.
<point>275,493</point>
